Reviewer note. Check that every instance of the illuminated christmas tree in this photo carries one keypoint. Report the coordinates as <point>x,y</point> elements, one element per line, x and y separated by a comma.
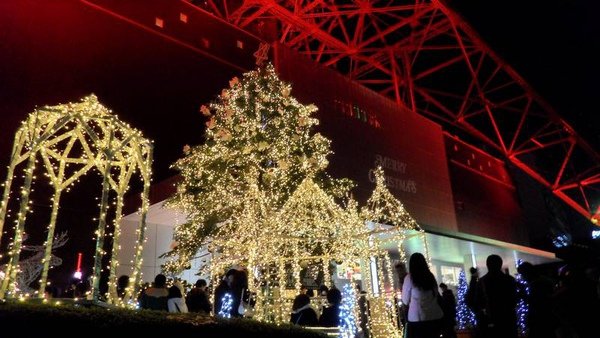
<point>348,322</point>
<point>226,304</point>
<point>464,316</point>
<point>258,137</point>
<point>522,305</point>
<point>257,195</point>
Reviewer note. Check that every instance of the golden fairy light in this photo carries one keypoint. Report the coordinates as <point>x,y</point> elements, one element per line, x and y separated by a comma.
<point>70,140</point>
<point>257,195</point>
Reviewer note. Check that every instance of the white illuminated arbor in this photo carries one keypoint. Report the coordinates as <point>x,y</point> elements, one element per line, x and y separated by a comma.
<point>67,141</point>
<point>389,223</point>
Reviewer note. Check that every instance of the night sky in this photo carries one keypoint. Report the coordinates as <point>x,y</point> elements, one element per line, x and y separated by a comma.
<point>59,51</point>
<point>554,45</point>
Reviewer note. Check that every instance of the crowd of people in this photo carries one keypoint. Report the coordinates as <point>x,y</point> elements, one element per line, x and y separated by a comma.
<point>305,315</point>
<point>162,298</point>
<point>234,284</point>
<point>565,308</point>
<point>561,307</point>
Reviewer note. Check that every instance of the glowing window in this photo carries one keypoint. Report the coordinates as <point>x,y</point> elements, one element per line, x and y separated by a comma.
<point>450,274</point>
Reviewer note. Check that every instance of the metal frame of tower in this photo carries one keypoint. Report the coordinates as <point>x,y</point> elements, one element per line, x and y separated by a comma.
<point>426,57</point>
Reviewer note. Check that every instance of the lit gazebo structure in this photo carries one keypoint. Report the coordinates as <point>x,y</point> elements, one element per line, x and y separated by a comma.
<point>67,141</point>
<point>312,230</point>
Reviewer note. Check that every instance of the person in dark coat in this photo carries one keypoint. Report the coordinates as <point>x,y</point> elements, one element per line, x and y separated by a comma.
<point>155,297</point>
<point>576,304</point>
<point>496,298</point>
<point>363,312</point>
<point>540,319</point>
<point>330,317</point>
<point>449,308</point>
<point>401,271</point>
<point>197,298</point>
<point>470,299</point>
<point>122,284</point>
<point>472,289</point>
<point>222,289</point>
<point>302,313</point>
<point>240,293</point>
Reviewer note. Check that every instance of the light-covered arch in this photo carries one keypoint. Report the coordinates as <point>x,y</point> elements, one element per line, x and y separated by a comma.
<point>67,141</point>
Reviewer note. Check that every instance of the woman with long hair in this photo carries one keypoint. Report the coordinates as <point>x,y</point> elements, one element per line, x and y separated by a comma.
<point>420,294</point>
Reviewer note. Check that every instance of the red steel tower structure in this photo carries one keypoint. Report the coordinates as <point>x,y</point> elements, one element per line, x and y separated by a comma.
<point>423,55</point>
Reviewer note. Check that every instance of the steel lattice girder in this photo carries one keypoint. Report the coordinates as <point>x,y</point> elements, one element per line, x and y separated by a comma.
<point>424,56</point>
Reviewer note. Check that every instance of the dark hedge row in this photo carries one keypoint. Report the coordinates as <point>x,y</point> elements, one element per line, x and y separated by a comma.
<point>25,319</point>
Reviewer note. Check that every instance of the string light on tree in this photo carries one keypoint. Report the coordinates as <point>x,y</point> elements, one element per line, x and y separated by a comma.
<point>257,195</point>
<point>226,305</point>
<point>522,304</point>
<point>464,316</point>
<point>348,322</point>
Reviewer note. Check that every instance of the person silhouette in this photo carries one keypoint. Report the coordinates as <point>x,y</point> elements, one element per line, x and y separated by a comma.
<point>302,313</point>
<point>224,287</point>
<point>449,307</point>
<point>330,316</point>
<point>496,298</point>
<point>420,293</point>
<point>197,298</point>
<point>155,297</point>
<point>122,284</point>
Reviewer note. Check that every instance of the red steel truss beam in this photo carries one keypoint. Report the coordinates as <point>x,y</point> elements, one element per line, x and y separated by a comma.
<point>408,50</point>
<point>424,56</point>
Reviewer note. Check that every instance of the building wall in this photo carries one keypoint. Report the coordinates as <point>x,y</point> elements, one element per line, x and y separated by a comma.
<point>160,225</point>
<point>367,130</point>
<point>485,195</point>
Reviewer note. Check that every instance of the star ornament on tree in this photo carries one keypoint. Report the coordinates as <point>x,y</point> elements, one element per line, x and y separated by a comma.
<point>262,54</point>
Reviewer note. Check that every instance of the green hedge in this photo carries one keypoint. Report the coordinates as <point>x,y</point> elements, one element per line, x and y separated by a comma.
<point>25,319</point>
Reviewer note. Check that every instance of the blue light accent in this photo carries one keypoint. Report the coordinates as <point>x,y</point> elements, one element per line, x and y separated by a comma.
<point>522,305</point>
<point>226,304</point>
<point>348,325</point>
<point>464,316</point>
<point>561,241</point>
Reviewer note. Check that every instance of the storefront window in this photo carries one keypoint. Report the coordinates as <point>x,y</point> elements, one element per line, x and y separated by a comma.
<point>450,274</point>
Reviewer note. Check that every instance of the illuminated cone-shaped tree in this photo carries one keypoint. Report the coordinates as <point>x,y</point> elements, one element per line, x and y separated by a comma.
<point>256,193</point>
<point>388,223</point>
<point>258,138</point>
<point>464,316</point>
<point>383,208</point>
<point>348,322</point>
<point>522,305</point>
